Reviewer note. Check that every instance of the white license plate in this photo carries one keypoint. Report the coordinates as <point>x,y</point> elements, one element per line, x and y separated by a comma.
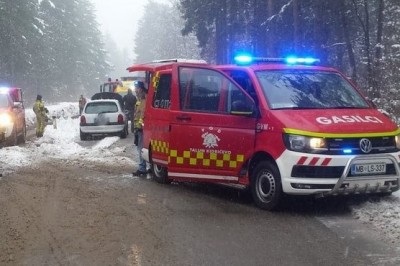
<point>101,120</point>
<point>368,168</point>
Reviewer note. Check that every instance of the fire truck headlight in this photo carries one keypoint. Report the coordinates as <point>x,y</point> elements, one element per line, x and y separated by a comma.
<point>317,143</point>
<point>5,119</point>
<point>397,138</point>
<point>297,143</point>
<point>304,144</point>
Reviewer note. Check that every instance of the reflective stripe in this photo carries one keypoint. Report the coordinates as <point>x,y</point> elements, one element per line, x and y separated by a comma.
<point>314,161</point>
<point>205,159</point>
<point>219,177</point>
<point>160,146</point>
<point>334,135</point>
<point>199,158</point>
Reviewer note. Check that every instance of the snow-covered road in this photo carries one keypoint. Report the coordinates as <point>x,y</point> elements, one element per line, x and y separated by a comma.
<point>63,143</point>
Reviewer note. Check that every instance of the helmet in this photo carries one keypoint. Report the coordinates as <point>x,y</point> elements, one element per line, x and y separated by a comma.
<point>139,84</point>
<point>38,97</point>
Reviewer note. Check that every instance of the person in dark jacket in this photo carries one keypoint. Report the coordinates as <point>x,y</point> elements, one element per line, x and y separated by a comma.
<point>129,105</point>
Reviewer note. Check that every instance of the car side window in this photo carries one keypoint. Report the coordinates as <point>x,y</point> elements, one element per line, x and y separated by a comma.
<point>162,91</point>
<point>200,89</point>
<point>206,90</point>
<point>243,79</point>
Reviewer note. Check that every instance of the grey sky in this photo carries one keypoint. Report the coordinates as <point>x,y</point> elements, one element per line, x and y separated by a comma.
<point>120,18</point>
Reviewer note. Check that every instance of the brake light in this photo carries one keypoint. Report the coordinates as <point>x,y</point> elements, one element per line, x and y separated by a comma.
<point>121,119</point>
<point>83,120</point>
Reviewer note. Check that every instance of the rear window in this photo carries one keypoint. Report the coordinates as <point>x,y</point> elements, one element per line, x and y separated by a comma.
<point>101,107</point>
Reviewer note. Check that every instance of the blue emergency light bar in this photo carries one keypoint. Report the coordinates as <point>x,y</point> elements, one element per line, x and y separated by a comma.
<point>299,60</point>
<point>245,59</point>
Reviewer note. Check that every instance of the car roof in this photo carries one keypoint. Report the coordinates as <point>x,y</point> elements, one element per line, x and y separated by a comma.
<point>158,66</point>
<point>103,100</point>
<point>164,65</point>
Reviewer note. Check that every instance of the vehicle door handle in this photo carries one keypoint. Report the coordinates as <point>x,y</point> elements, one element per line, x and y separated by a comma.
<point>183,118</point>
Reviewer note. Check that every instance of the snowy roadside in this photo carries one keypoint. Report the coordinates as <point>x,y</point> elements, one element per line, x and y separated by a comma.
<point>62,143</point>
<point>383,214</point>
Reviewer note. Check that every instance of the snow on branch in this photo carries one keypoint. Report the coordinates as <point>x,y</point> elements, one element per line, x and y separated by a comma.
<point>279,14</point>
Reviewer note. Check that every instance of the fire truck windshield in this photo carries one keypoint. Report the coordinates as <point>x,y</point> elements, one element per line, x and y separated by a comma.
<point>308,89</point>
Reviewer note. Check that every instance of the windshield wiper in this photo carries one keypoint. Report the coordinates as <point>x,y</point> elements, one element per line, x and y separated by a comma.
<point>298,108</point>
<point>349,107</point>
<point>104,112</point>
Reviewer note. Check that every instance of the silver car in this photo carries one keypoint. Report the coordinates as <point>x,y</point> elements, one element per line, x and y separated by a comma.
<point>103,117</point>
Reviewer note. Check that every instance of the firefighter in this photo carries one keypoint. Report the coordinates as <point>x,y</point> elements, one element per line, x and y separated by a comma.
<point>41,115</point>
<point>138,120</point>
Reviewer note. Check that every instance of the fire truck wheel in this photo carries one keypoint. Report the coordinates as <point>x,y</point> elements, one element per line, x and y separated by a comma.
<point>160,173</point>
<point>266,187</point>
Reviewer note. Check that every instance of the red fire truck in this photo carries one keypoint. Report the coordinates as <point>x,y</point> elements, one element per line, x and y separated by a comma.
<point>272,125</point>
<point>12,116</point>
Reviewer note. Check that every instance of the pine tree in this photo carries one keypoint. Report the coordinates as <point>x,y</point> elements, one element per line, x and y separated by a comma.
<point>163,34</point>
<point>19,26</point>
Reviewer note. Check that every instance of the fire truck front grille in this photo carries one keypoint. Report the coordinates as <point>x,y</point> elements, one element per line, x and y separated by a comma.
<point>317,171</point>
<point>379,145</point>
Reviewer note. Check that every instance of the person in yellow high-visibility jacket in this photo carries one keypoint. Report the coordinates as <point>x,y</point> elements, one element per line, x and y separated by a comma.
<point>138,120</point>
<point>41,115</point>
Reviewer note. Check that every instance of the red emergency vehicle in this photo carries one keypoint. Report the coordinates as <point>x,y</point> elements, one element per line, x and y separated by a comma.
<point>272,125</point>
<point>12,116</point>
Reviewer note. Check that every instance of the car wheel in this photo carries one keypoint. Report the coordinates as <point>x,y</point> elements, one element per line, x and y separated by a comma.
<point>266,186</point>
<point>83,136</point>
<point>124,133</point>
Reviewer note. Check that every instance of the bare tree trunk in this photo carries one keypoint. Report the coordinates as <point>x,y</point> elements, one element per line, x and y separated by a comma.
<point>349,46</point>
<point>368,49</point>
<point>270,30</point>
<point>378,50</point>
<point>221,34</point>
<point>320,37</point>
<point>296,25</point>
<point>366,28</point>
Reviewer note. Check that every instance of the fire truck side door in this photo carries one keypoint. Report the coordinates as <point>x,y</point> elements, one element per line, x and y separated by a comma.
<point>212,129</point>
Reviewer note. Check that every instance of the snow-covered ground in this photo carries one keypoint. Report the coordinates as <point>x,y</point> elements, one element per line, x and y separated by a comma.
<point>62,143</point>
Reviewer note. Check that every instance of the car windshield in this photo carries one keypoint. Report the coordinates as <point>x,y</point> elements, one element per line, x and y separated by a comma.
<point>3,101</point>
<point>308,89</point>
<point>101,107</point>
